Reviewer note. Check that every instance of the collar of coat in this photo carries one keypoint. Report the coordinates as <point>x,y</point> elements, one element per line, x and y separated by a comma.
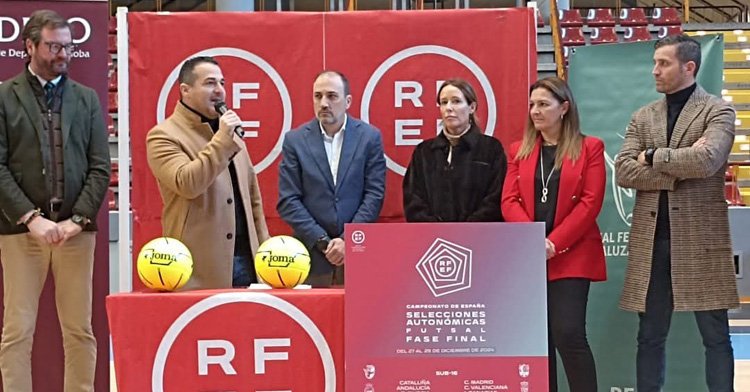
<point>468,140</point>
<point>193,118</point>
<point>681,96</point>
<point>698,97</point>
<point>690,111</point>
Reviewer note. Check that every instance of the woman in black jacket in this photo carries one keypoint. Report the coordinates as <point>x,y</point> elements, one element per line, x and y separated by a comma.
<point>457,176</point>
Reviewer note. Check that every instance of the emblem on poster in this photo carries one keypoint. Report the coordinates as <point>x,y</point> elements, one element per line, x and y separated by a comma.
<point>524,386</point>
<point>369,388</point>
<point>358,237</point>
<point>446,267</point>
<point>523,370</point>
<point>369,372</point>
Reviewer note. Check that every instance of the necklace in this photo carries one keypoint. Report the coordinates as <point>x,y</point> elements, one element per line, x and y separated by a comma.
<point>544,183</point>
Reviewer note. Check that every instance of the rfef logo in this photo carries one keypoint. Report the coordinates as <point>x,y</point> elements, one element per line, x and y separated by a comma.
<point>402,102</point>
<point>446,267</point>
<point>198,352</point>
<point>254,89</point>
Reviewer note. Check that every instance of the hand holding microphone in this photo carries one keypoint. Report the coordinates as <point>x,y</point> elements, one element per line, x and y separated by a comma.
<point>229,121</point>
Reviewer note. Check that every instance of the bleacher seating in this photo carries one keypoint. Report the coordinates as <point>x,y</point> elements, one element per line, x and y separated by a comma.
<point>113,81</point>
<point>740,78</point>
<point>636,34</point>
<point>731,188</point>
<point>111,200</point>
<point>666,17</point>
<point>733,195</point>
<point>112,43</point>
<point>598,17</point>
<point>633,17</point>
<point>111,127</point>
<point>668,30</point>
<point>114,179</point>
<point>736,89</point>
<point>744,175</point>
<point>603,35</point>
<point>570,18</point>
<point>573,36</point>
<point>112,101</point>
<point>735,55</point>
<point>113,25</point>
<point>110,62</point>
<point>738,36</point>
<point>567,51</point>
<point>743,121</point>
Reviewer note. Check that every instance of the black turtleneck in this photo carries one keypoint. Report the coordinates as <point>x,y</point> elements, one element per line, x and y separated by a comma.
<point>675,103</point>
<point>242,238</point>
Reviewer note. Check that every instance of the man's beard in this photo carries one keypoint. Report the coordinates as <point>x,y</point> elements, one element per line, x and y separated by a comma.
<point>58,69</point>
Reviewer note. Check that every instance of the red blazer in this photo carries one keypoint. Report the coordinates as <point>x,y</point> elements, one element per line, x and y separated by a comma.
<point>576,235</point>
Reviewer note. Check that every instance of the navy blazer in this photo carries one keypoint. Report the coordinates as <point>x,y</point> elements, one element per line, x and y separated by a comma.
<point>308,200</point>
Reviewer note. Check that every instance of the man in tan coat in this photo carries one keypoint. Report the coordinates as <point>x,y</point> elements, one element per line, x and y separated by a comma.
<point>674,154</point>
<point>210,190</point>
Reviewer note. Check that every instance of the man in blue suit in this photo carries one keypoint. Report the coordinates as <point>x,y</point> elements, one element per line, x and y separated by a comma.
<point>332,172</point>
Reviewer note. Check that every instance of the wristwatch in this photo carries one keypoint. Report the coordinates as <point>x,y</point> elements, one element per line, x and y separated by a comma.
<point>37,212</point>
<point>649,154</point>
<point>80,220</point>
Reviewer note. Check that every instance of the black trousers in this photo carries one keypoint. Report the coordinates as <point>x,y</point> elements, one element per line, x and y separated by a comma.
<point>654,328</point>
<point>566,314</point>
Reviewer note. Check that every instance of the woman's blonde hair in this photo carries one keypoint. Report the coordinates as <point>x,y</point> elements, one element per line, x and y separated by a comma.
<point>571,138</point>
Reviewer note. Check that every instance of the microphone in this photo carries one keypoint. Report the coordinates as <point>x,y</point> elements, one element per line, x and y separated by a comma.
<point>221,108</point>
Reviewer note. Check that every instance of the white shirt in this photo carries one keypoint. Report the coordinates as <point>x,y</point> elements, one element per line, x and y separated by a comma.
<point>333,147</point>
<point>54,81</point>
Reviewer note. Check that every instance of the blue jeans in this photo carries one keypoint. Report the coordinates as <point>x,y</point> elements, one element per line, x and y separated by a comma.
<point>654,327</point>
<point>243,273</point>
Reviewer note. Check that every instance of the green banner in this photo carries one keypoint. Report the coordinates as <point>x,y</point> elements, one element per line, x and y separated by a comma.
<point>609,83</point>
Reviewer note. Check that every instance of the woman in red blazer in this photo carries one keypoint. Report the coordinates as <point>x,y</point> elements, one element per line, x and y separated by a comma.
<point>556,175</point>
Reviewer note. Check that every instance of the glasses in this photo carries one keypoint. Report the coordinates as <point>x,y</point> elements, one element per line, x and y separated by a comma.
<point>55,47</point>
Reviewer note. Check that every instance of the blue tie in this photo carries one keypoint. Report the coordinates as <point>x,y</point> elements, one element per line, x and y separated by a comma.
<point>49,93</point>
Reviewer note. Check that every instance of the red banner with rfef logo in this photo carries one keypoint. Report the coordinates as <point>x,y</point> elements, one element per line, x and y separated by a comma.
<point>276,341</point>
<point>394,62</point>
<point>399,60</point>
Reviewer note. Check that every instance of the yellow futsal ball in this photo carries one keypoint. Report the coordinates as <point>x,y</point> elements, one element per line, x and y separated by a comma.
<point>282,262</point>
<point>165,264</point>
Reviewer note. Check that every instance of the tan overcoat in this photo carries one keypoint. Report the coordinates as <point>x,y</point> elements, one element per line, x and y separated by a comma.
<point>701,249</point>
<point>191,166</point>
